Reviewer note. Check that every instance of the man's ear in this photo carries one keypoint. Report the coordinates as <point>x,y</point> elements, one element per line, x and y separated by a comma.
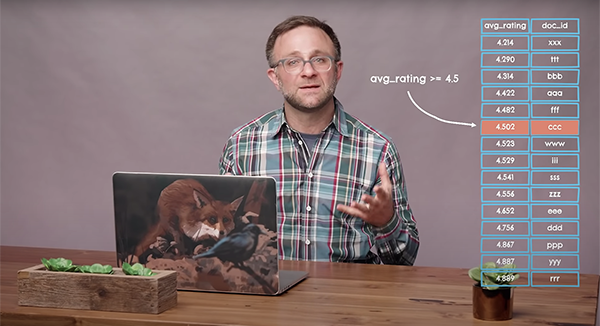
<point>273,77</point>
<point>340,66</point>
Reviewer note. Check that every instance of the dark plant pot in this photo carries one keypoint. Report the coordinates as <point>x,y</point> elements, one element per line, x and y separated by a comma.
<point>493,304</point>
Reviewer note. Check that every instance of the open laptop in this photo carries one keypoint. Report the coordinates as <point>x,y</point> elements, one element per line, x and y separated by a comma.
<point>218,231</point>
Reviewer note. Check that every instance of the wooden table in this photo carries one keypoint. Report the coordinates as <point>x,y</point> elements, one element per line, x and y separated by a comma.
<point>334,294</point>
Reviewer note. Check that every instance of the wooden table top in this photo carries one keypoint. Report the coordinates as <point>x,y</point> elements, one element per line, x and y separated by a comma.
<point>334,294</point>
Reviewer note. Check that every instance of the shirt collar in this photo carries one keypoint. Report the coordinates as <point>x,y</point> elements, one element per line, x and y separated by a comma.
<point>339,120</point>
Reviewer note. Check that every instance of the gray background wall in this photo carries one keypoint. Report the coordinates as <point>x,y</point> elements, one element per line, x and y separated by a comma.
<point>92,87</point>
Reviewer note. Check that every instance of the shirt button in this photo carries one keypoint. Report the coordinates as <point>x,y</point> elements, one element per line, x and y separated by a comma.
<point>310,175</point>
<point>299,142</point>
<point>308,208</point>
<point>307,242</point>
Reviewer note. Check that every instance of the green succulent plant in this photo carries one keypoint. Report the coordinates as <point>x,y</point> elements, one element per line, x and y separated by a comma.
<point>137,269</point>
<point>500,276</point>
<point>66,265</point>
<point>95,269</point>
<point>59,265</point>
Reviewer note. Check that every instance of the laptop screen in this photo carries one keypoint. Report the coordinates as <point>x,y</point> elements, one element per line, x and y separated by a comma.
<point>218,232</point>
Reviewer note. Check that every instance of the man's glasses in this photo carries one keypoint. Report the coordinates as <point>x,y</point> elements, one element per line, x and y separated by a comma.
<point>296,65</point>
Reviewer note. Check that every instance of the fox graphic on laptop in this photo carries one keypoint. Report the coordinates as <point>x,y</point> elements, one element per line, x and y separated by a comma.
<point>218,232</point>
<point>188,214</point>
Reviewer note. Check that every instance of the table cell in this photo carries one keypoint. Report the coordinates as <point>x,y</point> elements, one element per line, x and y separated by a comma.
<point>505,110</point>
<point>515,178</point>
<point>505,127</point>
<point>564,178</point>
<point>512,194</point>
<point>555,161</point>
<point>505,42</point>
<point>506,76</point>
<point>505,93</point>
<point>503,228</point>
<point>555,194</point>
<point>504,245</point>
<point>554,279</point>
<point>555,60</point>
<point>495,26</point>
<point>521,281</point>
<point>505,211</point>
<point>553,76</point>
<point>555,43</point>
<point>555,228</point>
<point>550,245</point>
<point>505,161</point>
<point>555,93</point>
<point>555,127</point>
<point>554,26</point>
<point>555,261</point>
<point>505,59</point>
<point>512,144</point>
<point>555,211</point>
<point>555,110</point>
<point>553,144</point>
<point>520,261</point>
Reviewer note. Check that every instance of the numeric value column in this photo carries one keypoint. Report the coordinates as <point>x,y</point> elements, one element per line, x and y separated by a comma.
<point>505,141</point>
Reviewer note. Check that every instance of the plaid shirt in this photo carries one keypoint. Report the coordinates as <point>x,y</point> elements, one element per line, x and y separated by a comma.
<point>311,183</point>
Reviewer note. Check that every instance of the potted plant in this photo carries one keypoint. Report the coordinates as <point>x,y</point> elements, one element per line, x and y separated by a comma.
<point>493,295</point>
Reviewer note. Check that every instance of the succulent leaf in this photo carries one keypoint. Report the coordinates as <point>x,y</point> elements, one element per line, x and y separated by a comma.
<point>137,269</point>
<point>96,269</point>
<point>475,274</point>
<point>59,264</point>
<point>488,284</point>
<point>46,263</point>
<point>83,269</point>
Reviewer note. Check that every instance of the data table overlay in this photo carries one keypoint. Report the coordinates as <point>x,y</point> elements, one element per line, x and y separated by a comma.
<point>530,180</point>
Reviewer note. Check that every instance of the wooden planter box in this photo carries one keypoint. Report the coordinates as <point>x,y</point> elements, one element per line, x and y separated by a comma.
<point>107,292</point>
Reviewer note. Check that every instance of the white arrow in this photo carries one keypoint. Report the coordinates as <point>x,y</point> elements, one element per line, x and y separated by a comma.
<point>440,119</point>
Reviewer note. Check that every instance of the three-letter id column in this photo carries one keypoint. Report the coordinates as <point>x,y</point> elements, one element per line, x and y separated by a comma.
<point>555,178</point>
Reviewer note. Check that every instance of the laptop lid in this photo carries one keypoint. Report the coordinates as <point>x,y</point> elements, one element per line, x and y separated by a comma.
<point>218,231</point>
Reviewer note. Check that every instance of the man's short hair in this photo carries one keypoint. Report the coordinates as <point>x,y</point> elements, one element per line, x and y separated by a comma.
<point>297,21</point>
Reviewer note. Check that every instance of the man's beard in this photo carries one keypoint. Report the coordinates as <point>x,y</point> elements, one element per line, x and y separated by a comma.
<point>298,103</point>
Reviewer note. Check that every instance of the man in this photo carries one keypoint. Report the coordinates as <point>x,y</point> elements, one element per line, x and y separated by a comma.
<point>341,192</point>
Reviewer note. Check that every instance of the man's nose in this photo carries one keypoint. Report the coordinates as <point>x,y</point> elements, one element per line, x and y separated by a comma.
<point>307,69</point>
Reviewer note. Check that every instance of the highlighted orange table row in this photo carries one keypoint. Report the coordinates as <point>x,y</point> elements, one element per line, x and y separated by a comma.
<point>538,127</point>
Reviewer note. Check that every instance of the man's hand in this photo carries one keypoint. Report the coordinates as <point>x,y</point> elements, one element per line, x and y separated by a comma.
<point>378,210</point>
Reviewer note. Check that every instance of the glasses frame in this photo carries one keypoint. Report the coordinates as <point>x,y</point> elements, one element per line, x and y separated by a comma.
<point>333,61</point>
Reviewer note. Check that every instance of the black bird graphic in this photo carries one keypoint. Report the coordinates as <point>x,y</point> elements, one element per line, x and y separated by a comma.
<point>235,248</point>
